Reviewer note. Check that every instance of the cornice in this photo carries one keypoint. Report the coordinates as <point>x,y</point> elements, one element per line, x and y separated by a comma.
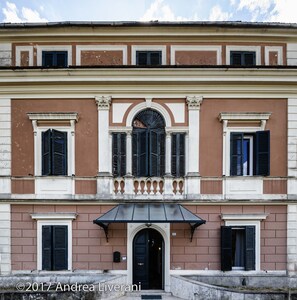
<point>219,75</point>
<point>150,83</point>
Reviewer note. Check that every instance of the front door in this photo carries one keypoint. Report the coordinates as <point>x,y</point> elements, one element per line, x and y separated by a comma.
<point>148,247</point>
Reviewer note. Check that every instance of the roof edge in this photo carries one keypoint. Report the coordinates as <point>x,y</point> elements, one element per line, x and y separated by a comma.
<point>155,23</point>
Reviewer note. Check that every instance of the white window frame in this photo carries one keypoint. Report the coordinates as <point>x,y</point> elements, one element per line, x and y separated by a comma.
<point>227,118</point>
<point>256,49</point>
<point>245,131</point>
<point>38,129</point>
<point>218,50</point>
<point>248,220</point>
<point>38,150</point>
<point>81,48</point>
<point>53,219</point>
<point>18,50</point>
<point>148,48</point>
<point>40,49</point>
<point>278,49</point>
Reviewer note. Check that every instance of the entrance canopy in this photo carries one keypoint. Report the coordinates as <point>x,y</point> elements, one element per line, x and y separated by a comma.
<point>149,213</point>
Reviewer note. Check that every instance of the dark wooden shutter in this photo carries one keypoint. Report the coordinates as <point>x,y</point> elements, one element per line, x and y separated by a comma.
<point>154,153</point>
<point>249,58</point>
<point>174,150</point>
<point>59,152</point>
<point>226,248</point>
<point>140,152</point>
<point>250,248</point>
<point>60,247</point>
<point>155,58</point>
<point>46,152</point>
<point>141,58</point>
<point>178,155</point>
<point>47,59</point>
<point>61,59</point>
<point>235,58</point>
<point>262,153</point>
<point>157,153</point>
<point>47,248</point>
<point>119,154</point>
<point>236,155</point>
<point>115,154</point>
<point>162,154</point>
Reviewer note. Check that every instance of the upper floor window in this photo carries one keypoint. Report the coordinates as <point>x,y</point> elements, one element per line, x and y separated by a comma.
<point>148,58</point>
<point>148,144</point>
<point>246,143</point>
<point>242,58</point>
<point>119,154</point>
<point>54,59</point>
<point>54,152</point>
<point>178,154</point>
<point>250,153</point>
<point>54,143</point>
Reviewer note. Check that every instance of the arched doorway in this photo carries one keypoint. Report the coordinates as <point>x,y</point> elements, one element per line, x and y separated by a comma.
<point>148,259</point>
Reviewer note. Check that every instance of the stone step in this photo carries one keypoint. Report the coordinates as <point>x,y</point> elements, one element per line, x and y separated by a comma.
<point>149,295</point>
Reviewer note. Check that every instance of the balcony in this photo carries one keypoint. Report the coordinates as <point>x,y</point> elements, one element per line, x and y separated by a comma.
<point>149,187</point>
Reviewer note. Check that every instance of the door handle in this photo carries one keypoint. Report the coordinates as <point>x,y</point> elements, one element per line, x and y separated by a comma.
<point>140,264</point>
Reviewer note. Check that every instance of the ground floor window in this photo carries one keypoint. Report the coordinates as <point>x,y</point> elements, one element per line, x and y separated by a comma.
<point>54,240</point>
<point>54,247</point>
<point>237,248</point>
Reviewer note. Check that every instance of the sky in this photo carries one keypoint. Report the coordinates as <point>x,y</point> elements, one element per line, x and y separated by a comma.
<point>16,11</point>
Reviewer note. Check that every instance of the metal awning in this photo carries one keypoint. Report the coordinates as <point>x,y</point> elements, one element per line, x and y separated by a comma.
<point>149,213</point>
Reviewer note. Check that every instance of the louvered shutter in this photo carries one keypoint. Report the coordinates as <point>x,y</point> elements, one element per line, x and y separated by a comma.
<point>236,155</point>
<point>235,58</point>
<point>47,59</point>
<point>115,154</point>
<point>178,155</point>
<point>47,248</point>
<point>123,154</point>
<point>46,152</point>
<point>226,248</point>
<point>60,247</point>
<point>61,59</point>
<point>161,141</point>
<point>155,58</point>
<point>140,152</point>
<point>59,152</point>
<point>119,154</point>
<point>262,153</point>
<point>157,153</point>
<point>182,156</point>
<point>174,155</point>
<point>250,248</point>
<point>141,58</point>
<point>249,58</point>
<point>154,153</point>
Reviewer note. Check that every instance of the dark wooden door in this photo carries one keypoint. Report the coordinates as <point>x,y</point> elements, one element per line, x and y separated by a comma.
<point>148,259</point>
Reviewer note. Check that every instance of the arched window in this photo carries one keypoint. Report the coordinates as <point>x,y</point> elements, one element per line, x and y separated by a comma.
<point>148,144</point>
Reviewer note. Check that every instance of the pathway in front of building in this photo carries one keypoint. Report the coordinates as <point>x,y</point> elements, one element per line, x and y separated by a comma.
<point>137,296</point>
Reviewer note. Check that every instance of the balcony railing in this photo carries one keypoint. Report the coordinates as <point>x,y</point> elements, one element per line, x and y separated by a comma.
<point>151,186</point>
